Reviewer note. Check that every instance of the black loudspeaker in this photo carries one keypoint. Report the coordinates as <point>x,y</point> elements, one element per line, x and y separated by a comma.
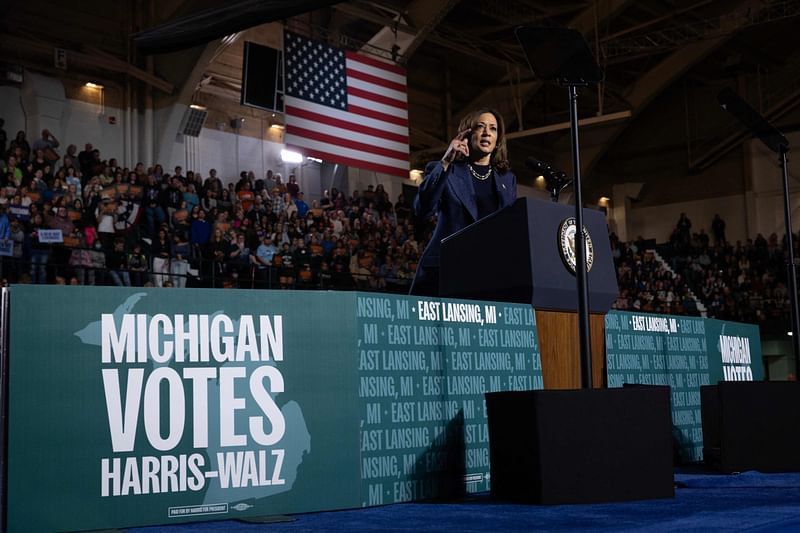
<point>581,446</point>
<point>751,425</point>
<point>262,77</point>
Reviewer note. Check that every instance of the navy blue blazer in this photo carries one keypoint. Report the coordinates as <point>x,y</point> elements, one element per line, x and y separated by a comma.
<point>451,194</point>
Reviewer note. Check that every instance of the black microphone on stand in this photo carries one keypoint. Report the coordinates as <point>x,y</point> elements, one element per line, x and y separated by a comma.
<point>555,180</point>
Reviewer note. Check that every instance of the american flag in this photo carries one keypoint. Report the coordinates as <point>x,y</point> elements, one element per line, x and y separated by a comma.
<point>344,107</point>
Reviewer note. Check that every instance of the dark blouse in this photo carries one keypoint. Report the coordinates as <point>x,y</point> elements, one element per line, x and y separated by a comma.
<point>485,191</point>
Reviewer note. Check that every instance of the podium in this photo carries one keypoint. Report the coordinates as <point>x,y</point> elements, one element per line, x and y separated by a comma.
<point>520,254</point>
<point>560,446</point>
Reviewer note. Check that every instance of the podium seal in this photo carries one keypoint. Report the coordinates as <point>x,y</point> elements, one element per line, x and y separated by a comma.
<point>566,245</point>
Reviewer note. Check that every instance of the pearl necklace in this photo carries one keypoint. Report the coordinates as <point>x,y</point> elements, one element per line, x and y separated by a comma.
<point>481,177</point>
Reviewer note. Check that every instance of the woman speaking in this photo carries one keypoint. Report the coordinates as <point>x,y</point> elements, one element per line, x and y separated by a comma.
<point>471,180</point>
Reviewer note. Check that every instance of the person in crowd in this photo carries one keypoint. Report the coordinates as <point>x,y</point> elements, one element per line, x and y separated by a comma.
<point>224,203</point>
<point>105,214</point>
<point>3,139</point>
<point>97,272</point>
<point>269,181</point>
<point>472,180</point>
<point>240,184</point>
<point>61,221</point>
<point>39,250</point>
<point>199,232</point>
<point>116,261</point>
<point>12,174</point>
<point>381,199</point>
<point>5,227</point>
<point>289,206</point>
<point>97,167</point>
<point>245,195</point>
<point>239,256</point>
<point>215,256</point>
<point>47,140</point>
<point>174,196</point>
<point>292,187</point>
<point>212,183</point>
<point>86,159</point>
<point>302,262</point>
<point>286,275</point>
<point>301,205</point>
<point>401,209</point>
<point>80,261</point>
<point>178,175</point>
<point>279,185</point>
<point>73,180</point>
<point>160,253</point>
<point>153,202</point>
<point>179,264</point>
<point>20,147</point>
<point>72,152</point>
<point>180,221</point>
<point>683,229</point>
<point>191,197</point>
<point>278,205</point>
<point>137,265</point>
<point>18,237</point>
<point>38,161</point>
<point>263,261</point>
<point>339,201</point>
<point>718,230</point>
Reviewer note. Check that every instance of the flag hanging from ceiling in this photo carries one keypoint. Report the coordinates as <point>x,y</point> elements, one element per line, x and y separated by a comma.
<point>344,107</point>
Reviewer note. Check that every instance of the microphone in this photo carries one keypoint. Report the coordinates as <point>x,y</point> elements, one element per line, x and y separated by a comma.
<point>544,169</point>
<point>555,180</point>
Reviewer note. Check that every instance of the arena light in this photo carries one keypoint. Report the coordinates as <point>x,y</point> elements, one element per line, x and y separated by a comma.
<point>314,159</point>
<point>603,201</point>
<point>288,156</point>
<point>197,107</point>
<point>93,85</point>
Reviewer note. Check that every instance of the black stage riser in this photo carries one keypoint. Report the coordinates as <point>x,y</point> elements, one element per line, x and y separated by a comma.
<point>751,425</point>
<point>581,446</point>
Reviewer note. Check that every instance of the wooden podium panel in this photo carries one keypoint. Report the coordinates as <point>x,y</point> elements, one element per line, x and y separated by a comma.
<point>561,351</point>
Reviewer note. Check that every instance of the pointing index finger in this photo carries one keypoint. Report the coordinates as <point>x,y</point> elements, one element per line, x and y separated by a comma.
<point>462,135</point>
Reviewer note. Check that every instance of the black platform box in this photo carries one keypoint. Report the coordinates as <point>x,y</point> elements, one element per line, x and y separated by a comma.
<point>581,446</point>
<point>751,425</point>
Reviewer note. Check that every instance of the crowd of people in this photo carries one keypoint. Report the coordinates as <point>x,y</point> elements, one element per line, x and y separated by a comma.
<point>82,219</point>
<point>741,281</point>
<point>646,284</point>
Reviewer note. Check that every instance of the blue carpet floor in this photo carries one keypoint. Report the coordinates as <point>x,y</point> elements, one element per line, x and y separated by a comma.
<point>750,501</point>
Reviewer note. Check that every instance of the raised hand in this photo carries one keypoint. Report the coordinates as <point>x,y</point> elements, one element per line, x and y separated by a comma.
<point>459,145</point>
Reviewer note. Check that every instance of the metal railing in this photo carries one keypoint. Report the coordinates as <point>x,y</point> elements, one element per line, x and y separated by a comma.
<point>202,272</point>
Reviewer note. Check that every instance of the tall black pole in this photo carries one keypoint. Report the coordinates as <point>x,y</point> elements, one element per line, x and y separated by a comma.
<point>787,215</point>
<point>584,332</point>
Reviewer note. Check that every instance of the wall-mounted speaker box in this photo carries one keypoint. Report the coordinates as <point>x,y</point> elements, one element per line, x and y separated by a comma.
<point>262,77</point>
<point>580,446</point>
<point>193,121</point>
<point>751,425</point>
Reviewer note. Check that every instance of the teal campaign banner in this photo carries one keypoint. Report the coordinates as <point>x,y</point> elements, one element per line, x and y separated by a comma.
<point>424,366</point>
<point>158,406</point>
<point>734,351</point>
<point>684,353</point>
